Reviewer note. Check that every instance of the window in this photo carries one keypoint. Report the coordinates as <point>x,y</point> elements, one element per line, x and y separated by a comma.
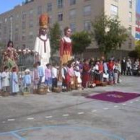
<point>23,37</point>
<point>17,28</point>
<point>114,10</point>
<point>87,10</point>
<point>17,17</point>
<point>130,3</point>
<point>31,35</point>
<point>31,12</point>
<point>72,13</point>
<point>72,2</point>
<point>60,17</point>
<point>16,36</point>
<point>23,15</point>
<point>130,16</point>
<point>60,3</point>
<point>23,25</point>
<point>73,27</point>
<point>49,7</point>
<point>5,29</point>
<point>50,19</point>
<point>5,20</point>
<point>87,25</point>
<point>39,10</point>
<point>30,24</point>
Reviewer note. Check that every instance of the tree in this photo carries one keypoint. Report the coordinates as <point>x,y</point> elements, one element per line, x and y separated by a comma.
<point>108,33</point>
<point>81,40</point>
<point>55,36</point>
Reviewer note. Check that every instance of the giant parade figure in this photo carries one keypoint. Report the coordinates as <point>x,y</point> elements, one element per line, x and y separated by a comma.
<point>66,46</point>
<point>42,43</point>
<point>10,56</point>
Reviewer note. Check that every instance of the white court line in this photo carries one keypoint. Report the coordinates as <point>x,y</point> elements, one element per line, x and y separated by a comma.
<point>11,120</point>
<point>123,104</point>
<point>80,113</point>
<point>30,118</point>
<point>131,102</point>
<point>106,108</point>
<point>116,106</point>
<point>94,111</point>
<point>48,117</point>
<point>65,115</point>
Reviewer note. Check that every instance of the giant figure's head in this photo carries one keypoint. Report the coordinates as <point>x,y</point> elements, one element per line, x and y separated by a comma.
<point>43,23</point>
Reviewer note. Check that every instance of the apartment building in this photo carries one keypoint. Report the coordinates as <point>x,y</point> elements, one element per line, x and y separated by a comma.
<point>21,23</point>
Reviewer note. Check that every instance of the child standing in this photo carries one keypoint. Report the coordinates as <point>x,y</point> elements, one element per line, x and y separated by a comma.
<point>48,76</point>
<point>54,76</point>
<point>14,81</point>
<point>27,81</point>
<point>5,79</point>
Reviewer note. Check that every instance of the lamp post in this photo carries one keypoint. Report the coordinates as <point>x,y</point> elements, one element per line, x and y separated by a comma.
<point>11,27</point>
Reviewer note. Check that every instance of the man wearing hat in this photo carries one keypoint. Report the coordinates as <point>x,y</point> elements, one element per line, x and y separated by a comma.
<point>42,43</point>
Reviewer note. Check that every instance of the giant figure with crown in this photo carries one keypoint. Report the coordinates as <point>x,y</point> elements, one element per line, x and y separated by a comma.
<point>42,43</point>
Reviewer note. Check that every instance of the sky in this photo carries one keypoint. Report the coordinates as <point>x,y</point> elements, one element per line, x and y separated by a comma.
<point>6,5</point>
<point>138,6</point>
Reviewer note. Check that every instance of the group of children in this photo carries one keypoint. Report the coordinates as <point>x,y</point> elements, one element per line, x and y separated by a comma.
<point>72,75</point>
<point>9,81</point>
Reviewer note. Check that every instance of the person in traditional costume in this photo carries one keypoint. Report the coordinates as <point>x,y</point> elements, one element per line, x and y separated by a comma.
<point>10,56</point>
<point>42,43</point>
<point>14,81</point>
<point>27,81</point>
<point>78,76</point>
<point>54,76</point>
<point>5,79</point>
<point>48,76</point>
<point>66,46</point>
<point>111,67</point>
<point>85,73</point>
<point>64,73</point>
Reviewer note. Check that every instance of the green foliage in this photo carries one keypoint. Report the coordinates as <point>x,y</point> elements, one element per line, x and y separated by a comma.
<point>108,33</point>
<point>137,48</point>
<point>81,40</point>
<point>55,36</point>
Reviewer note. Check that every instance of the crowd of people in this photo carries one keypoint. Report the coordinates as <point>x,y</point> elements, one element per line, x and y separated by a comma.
<point>68,75</point>
<point>74,75</point>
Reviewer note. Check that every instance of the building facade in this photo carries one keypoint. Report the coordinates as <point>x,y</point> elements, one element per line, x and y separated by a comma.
<point>137,35</point>
<point>21,23</point>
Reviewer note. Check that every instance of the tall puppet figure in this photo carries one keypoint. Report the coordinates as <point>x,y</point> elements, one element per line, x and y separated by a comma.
<point>42,43</point>
<point>66,46</point>
<point>10,56</point>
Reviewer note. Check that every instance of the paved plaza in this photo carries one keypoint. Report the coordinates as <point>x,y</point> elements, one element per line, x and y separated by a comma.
<point>71,116</point>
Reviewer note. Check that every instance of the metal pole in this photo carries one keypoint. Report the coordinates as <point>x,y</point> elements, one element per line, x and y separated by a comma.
<point>11,28</point>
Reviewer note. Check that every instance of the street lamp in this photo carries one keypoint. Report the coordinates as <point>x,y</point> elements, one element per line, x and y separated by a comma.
<point>11,27</point>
